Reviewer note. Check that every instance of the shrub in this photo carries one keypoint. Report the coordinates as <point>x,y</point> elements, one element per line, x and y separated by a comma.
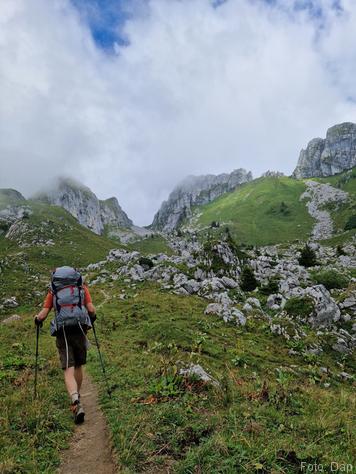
<point>270,287</point>
<point>331,279</point>
<point>237,249</point>
<point>248,281</point>
<point>146,263</point>
<point>4,227</point>
<point>281,209</point>
<point>307,257</point>
<point>299,306</point>
<point>166,386</point>
<point>340,251</point>
<point>351,223</point>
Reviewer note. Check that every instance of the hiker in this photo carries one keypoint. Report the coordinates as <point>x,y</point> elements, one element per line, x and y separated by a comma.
<point>74,314</point>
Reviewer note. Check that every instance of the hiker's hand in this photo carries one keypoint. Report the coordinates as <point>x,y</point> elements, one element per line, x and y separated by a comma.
<point>92,317</point>
<point>38,322</point>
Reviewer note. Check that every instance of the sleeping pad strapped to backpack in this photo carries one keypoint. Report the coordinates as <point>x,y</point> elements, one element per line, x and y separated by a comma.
<point>68,300</point>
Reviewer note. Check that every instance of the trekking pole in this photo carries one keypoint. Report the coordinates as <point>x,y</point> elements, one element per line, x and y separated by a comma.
<point>36,366</point>
<point>101,362</point>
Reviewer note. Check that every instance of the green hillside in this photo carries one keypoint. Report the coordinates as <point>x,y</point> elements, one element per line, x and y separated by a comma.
<point>47,237</point>
<point>269,211</point>
<point>266,415</point>
<point>264,211</point>
<point>10,196</point>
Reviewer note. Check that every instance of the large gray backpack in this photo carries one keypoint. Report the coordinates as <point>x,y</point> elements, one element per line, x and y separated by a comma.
<point>68,300</point>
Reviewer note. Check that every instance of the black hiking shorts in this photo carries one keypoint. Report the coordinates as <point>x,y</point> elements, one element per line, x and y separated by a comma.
<point>76,354</point>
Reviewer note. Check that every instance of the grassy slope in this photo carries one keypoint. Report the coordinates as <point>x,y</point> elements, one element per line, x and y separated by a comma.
<point>238,428</point>
<point>260,419</point>
<point>26,268</point>
<point>151,245</point>
<point>31,431</point>
<point>254,215</point>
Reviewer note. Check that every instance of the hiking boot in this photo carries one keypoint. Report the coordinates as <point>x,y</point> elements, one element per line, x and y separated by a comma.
<point>78,412</point>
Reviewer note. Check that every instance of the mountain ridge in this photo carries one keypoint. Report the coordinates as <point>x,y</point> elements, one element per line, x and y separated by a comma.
<point>84,205</point>
<point>328,156</point>
<point>195,190</point>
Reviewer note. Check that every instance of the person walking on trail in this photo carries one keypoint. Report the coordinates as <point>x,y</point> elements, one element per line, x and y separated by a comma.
<point>74,315</point>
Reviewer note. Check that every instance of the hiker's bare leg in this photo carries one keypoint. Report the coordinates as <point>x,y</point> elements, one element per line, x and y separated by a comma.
<point>78,374</point>
<point>70,381</point>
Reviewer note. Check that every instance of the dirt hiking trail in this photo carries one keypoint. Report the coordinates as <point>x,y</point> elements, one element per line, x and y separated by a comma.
<point>90,448</point>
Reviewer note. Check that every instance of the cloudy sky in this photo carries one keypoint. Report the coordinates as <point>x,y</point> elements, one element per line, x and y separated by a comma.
<point>130,96</point>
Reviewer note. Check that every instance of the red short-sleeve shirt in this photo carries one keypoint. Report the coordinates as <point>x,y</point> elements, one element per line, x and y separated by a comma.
<point>48,303</point>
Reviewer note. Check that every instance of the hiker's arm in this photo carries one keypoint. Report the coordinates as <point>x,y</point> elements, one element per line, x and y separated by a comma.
<point>42,315</point>
<point>90,308</point>
<point>88,302</point>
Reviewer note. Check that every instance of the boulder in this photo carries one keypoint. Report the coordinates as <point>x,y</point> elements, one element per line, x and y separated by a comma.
<point>326,310</point>
<point>349,302</point>
<point>254,302</point>
<point>214,308</point>
<point>10,319</point>
<point>136,273</point>
<point>276,301</point>
<point>10,302</point>
<point>191,286</point>
<point>238,316</point>
<point>199,274</point>
<point>247,307</point>
<point>197,370</point>
<point>228,282</point>
<point>179,279</point>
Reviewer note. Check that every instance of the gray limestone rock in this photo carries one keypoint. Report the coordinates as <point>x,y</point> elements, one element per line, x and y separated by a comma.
<point>318,195</point>
<point>254,302</point>
<point>238,316</point>
<point>276,301</point>
<point>197,370</point>
<point>349,302</point>
<point>10,319</point>
<point>83,204</point>
<point>195,191</point>
<point>326,310</point>
<point>191,286</point>
<point>10,302</point>
<point>214,308</point>
<point>228,282</point>
<point>326,157</point>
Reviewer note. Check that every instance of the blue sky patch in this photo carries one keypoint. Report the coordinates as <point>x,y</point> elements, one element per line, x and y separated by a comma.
<point>105,19</point>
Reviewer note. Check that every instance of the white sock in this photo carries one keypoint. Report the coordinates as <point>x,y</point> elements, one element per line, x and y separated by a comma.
<point>74,397</point>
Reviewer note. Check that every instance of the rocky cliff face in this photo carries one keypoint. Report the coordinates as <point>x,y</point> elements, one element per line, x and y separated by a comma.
<point>325,157</point>
<point>83,204</point>
<point>195,190</point>
<point>13,206</point>
<point>112,214</point>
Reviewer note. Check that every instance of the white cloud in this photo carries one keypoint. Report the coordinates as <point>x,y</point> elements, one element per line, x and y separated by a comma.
<point>198,90</point>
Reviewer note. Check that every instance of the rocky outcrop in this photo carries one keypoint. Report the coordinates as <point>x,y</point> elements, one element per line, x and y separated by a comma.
<point>326,157</point>
<point>195,191</point>
<point>112,214</point>
<point>83,204</point>
<point>272,174</point>
<point>13,206</point>
<point>11,197</point>
<point>318,196</point>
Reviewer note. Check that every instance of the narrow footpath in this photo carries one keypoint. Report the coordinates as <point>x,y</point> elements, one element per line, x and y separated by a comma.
<point>89,450</point>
